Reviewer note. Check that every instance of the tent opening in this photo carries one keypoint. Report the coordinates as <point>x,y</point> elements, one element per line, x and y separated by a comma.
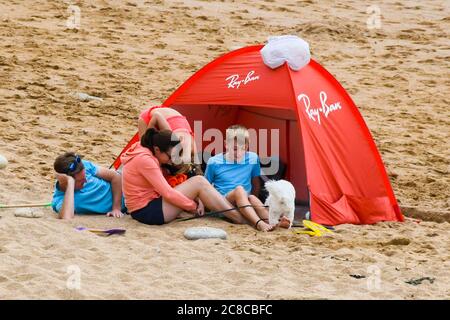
<point>274,134</point>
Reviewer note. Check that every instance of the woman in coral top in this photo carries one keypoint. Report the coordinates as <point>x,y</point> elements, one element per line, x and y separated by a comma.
<point>149,197</point>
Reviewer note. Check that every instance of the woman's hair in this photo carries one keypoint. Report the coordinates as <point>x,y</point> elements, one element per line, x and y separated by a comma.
<point>69,163</point>
<point>163,139</point>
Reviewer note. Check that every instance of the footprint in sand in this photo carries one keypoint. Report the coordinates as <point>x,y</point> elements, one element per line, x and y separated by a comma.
<point>398,242</point>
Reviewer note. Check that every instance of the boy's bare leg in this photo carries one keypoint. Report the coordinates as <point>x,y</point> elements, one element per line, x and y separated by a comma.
<point>240,197</point>
<point>263,213</point>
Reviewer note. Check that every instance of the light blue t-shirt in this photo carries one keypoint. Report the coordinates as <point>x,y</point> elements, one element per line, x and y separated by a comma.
<point>95,196</point>
<point>227,175</point>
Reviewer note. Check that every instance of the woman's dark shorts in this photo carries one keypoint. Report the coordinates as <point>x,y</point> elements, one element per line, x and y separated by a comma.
<point>150,214</point>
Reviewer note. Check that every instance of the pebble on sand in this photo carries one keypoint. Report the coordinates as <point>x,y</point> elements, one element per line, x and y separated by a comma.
<point>3,162</point>
<point>196,233</point>
<point>86,97</point>
<point>28,213</point>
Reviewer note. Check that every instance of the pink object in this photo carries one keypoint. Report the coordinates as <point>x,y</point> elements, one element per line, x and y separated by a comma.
<point>146,114</point>
<point>179,123</point>
<point>176,123</point>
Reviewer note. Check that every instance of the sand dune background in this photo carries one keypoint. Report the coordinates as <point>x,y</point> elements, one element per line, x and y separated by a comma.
<point>136,53</point>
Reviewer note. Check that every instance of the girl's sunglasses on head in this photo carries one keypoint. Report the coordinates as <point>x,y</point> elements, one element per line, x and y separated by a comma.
<point>74,164</point>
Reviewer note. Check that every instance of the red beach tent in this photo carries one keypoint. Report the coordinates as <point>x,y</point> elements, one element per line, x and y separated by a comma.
<point>331,157</point>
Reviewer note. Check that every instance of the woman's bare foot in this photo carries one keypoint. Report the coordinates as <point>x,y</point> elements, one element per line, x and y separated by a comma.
<point>284,223</point>
<point>263,226</point>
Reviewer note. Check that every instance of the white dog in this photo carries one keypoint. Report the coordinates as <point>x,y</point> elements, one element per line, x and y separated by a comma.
<point>281,200</point>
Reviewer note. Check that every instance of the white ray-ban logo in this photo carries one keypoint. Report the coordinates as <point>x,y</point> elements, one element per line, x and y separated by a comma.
<point>234,81</point>
<point>315,113</point>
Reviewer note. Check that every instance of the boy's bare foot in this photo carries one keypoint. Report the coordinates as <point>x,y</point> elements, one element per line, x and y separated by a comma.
<point>263,226</point>
<point>284,223</point>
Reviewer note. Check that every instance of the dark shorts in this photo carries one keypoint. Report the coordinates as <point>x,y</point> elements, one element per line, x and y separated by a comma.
<point>150,214</point>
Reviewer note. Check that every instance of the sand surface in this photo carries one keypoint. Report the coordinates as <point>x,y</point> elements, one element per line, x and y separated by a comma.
<point>136,53</point>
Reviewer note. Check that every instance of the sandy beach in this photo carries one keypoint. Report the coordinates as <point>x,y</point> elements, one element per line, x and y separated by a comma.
<point>136,53</point>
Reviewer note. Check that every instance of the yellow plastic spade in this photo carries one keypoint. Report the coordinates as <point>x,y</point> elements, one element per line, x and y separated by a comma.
<point>317,230</point>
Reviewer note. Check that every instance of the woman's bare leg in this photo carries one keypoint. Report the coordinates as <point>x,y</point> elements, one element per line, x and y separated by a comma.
<point>199,187</point>
<point>240,197</point>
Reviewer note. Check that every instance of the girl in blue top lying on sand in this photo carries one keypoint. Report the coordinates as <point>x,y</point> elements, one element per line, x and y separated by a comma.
<point>235,174</point>
<point>82,187</point>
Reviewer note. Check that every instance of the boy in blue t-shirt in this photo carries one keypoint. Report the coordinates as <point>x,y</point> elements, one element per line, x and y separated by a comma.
<point>83,187</point>
<point>235,174</point>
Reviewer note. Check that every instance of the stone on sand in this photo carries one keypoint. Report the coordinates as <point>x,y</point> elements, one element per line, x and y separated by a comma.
<point>3,162</point>
<point>196,233</point>
<point>86,97</point>
<point>28,213</point>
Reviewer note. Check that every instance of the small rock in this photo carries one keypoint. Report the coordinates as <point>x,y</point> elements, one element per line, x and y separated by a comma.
<point>204,233</point>
<point>28,213</point>
<point>3,162</point>
<point>85,97</point>
<point>255,250</point>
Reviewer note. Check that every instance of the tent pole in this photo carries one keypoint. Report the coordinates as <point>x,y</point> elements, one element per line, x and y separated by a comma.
<point>288,150</point>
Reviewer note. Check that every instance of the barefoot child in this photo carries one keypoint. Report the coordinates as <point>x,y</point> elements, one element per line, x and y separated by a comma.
<point>235,174</point>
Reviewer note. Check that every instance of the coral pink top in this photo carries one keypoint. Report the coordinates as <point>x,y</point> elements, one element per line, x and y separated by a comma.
<point>146,115</point>
<point>176,123</point>
<point>143,181</point>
